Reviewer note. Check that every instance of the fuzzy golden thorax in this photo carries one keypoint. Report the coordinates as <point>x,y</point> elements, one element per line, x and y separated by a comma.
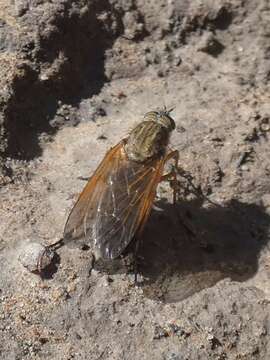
<point>150,138</point>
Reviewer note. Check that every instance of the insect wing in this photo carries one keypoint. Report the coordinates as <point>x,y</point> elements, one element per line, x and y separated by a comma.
<point>115,203</point>
<point>88,202</point>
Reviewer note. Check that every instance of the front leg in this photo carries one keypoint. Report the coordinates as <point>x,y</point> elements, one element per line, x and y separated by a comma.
<point>172,178</point>
<point>172,175</point>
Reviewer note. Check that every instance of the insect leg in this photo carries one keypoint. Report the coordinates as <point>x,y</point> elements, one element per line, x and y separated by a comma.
<point>172,175</point>
<point>174,154</point>
<point>197,191</point>
<point>137,245</point>
<point>59,243</point>
<point>83,178</point>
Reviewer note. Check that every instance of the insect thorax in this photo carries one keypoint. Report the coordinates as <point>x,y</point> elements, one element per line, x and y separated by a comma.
<point>148,140</point>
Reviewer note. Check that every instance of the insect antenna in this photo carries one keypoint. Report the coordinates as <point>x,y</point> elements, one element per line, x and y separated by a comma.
<point>165,111</point>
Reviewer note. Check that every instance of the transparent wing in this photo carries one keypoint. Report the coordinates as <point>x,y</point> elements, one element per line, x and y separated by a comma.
<point>115,203</point>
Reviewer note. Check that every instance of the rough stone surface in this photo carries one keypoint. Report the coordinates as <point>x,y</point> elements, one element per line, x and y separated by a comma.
<point>76,76</point>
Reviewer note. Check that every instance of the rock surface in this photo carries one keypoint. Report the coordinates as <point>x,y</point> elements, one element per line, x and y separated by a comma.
<point>76,76</point>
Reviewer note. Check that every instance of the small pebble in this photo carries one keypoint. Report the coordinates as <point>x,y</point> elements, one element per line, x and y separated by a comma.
<point>160,333</point>
<point>210,44</point>
<point>245,167</point>
<point>36,257</point>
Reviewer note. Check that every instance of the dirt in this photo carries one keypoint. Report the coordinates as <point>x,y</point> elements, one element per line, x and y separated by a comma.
<point>75,78</point>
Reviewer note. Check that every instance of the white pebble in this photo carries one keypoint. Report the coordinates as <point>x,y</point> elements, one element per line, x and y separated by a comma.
<point>35,257</point>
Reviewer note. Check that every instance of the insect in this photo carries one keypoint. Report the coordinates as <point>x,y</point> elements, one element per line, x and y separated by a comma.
<point>117,200</point>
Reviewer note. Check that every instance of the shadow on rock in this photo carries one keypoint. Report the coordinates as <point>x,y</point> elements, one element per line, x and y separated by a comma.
<point>187,248</point>
<point>226,243</point>
<point>51,269</point>
<point>73,52</point>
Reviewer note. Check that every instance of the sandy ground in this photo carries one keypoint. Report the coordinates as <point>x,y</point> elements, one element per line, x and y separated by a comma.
<point>75,78</point>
